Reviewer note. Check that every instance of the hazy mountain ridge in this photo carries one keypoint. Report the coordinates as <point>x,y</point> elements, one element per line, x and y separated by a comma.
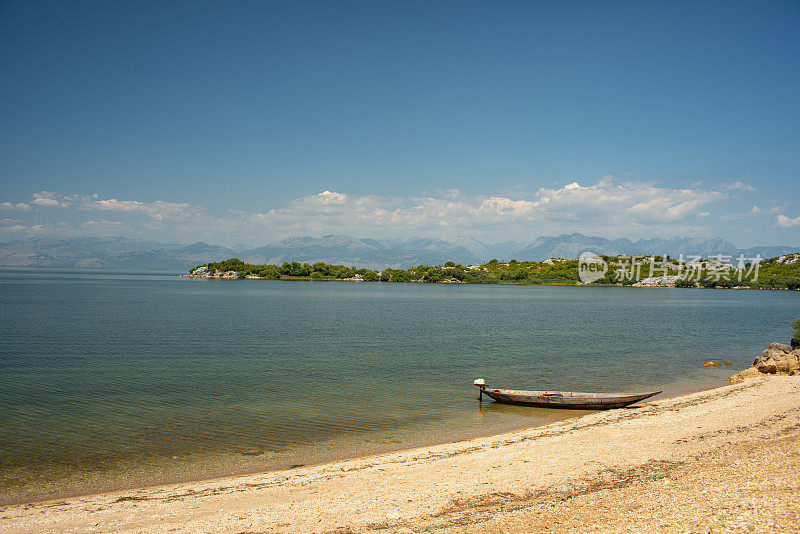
<point>369,253</point>
<point>571,246</point>
<point>108,253</point>
<point>123,253</point>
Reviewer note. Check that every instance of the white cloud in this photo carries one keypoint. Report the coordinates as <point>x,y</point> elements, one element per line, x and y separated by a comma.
<point>14,228</point>
<point>785,222</point>
<point>47,199</point>
<point>738,186</point>
<point>755,210</point>
<point>21,206</point>
<point>329,197</point>
<point>48,229</point>
<point>592,208</point>
<point>157,209</point>
<point>604,208</point>
<point>637,202</point>
<point>504,206</point>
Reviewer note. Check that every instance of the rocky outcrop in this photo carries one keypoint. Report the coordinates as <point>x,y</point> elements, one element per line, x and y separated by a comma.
<point>750,372</point>
<point>780,346</point>
<point>778,358</point>
<point>712,363</point>
<point>767,366</point>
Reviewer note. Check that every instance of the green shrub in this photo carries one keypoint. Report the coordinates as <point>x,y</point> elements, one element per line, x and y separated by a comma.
<point>796,329</point>
<point>708,283</point>
<point>369,276</point>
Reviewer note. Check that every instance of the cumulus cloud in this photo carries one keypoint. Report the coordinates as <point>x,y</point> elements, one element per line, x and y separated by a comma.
<point>157,209</point>
<point>20,206</point>
<point>738,186</point>
<point>32,230</point>
<point>504,207</point>
<point>755,210</point>
<point>785,222</point>
<point>47,199</point>
<point>604,203</point>
<point>637,202</point>
<point>605,207</point>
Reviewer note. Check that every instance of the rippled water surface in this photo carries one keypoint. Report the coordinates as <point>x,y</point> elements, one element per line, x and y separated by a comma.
<point>119,380</point>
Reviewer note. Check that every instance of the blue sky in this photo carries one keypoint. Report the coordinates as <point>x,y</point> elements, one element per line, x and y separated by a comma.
<point>247,122</point>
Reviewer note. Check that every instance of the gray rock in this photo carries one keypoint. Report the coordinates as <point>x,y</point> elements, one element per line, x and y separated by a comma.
<point>767,366</point>
<point>751,372</point>
<point>788,362</point>
<point>769,354</point>
<point>781,347</point>
<point>778,359</point>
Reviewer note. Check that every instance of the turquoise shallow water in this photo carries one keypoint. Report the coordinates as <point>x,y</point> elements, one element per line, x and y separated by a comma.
<point>119,380</point>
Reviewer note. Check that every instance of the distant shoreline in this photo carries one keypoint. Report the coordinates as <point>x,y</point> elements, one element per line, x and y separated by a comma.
<point>658,271</point>
<point>503,283</point>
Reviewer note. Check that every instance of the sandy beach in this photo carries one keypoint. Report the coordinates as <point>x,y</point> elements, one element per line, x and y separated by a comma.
<point>720,460</point>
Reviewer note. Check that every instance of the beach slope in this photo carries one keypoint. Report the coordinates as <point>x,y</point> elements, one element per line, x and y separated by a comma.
<point>723,459</point>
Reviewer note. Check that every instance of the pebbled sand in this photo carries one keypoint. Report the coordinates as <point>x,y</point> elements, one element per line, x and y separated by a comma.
<point>722,460</point>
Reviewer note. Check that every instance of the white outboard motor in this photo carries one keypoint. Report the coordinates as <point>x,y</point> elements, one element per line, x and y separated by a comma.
<point>481,383</point>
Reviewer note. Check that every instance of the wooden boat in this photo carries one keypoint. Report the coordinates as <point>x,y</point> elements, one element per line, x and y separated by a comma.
<point>563,399</point>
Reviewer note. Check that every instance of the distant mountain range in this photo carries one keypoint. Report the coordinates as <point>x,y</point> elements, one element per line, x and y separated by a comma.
<point>370,253</point>
<point>116,253</point>
<point>571,246</point>
<point>130,254</point>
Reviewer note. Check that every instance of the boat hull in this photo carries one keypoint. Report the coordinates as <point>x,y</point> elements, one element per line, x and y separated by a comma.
<point>566,399</point>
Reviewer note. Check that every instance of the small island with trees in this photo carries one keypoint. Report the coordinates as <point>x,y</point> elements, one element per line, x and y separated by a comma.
<point>653,271</point>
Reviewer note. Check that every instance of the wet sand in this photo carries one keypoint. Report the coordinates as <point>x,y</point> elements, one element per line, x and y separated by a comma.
<point>723,459</point>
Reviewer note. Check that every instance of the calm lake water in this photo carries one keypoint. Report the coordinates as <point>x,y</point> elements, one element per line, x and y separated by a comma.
<point>122,380</point>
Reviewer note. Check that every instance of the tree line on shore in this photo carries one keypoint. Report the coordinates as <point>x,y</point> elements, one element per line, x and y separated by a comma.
<point>771,273</point>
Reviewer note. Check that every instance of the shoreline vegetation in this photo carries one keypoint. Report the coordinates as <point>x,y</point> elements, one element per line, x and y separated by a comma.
<point>781,272</point>
<point>688,463</point>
